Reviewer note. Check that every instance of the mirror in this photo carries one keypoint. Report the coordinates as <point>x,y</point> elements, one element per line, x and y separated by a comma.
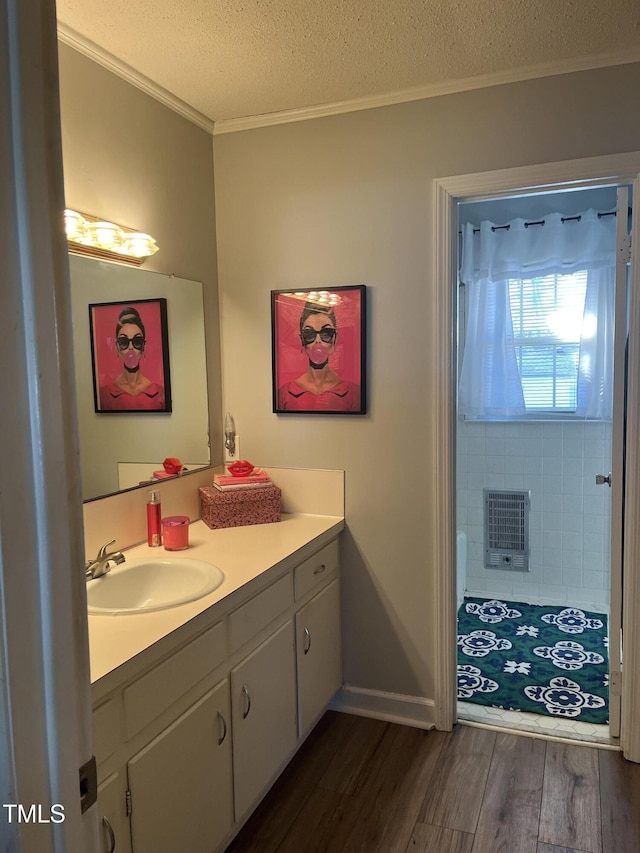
<point>120,450</point>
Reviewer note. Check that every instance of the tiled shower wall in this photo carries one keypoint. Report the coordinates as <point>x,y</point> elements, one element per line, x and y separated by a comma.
<point>570,514</point>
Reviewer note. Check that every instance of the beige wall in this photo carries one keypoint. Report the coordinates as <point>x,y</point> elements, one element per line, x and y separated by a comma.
<point>130,159</point>
<point>347,200</point>
<point>340,200</point>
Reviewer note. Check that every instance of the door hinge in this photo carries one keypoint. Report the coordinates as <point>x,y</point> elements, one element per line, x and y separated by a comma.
<point>615,683</point>
<point>88,777</point>
<point>127,802</point>
<point>624,250</point>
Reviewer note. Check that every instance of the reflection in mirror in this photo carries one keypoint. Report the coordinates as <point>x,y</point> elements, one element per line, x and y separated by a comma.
<point>119,450</point>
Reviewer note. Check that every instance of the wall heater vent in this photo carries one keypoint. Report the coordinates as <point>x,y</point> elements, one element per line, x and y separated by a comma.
<point>506,529</point>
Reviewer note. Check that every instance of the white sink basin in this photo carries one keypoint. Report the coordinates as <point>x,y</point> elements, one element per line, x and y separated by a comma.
<point>153,584</point>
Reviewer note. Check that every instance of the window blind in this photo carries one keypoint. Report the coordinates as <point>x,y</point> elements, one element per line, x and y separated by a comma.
<point>547,315</point>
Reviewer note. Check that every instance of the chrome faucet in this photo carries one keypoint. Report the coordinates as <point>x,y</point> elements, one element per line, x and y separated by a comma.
<point>100,566</point>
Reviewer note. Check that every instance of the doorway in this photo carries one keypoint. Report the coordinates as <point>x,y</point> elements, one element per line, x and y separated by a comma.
<point>533,527</point>
<point>534,181</point>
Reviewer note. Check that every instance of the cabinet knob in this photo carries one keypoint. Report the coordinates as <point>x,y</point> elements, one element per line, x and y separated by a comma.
<point>110,834</point>
<point>320,569</point>
<point>307,640</point>
<point>247,696</point>
<point>223,723</point>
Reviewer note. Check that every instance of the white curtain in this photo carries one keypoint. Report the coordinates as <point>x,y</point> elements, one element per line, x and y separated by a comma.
<point>489,380</point>
<point>595,364</point>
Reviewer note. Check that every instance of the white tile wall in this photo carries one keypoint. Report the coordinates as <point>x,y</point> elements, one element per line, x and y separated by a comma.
<point>570,515</point>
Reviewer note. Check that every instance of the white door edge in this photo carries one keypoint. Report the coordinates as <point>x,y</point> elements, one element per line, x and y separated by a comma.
<point>447,191</point>
<point>45,722</point>
<point>617,463</point>
<point>629,729</point>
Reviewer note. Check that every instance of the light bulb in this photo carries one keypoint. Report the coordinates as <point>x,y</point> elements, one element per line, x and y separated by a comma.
<point>107,235</point>
<point>139,245</point>
<point>75,225</point>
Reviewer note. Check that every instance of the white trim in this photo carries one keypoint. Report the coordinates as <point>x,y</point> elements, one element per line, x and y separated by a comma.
<point>630,730</point>
<point>443,453</point>
<point>474,724</point>
<point>616,486</point>
<point>382,705</point>
<point>617,168</point>
<point>44,664</point>
<point>94,52</point>
<point>429,90</point>
<point>415,93</point>
<point>561,175</point>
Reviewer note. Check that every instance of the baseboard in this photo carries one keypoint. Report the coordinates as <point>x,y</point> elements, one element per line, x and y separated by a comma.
<point>379,705</point>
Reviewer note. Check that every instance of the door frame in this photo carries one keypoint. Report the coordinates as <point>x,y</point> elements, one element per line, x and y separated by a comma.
<point>447,192</point>
<point>45,702</point>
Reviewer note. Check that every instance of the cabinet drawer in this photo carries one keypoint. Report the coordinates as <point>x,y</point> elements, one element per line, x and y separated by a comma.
<point>316,570</point>
<point>152,694</point>
<point>260,611</point>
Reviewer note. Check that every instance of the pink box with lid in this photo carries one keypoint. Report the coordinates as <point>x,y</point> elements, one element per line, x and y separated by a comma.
<point>239,507</point>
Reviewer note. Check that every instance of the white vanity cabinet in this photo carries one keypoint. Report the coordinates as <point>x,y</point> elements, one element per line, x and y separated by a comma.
<point>318,634</point>
<point>187,745</point>
<point>319,655</point>
<point>181,784</point>
<point>112,815</point>
<point>263,690</point>
<point>113,819</point>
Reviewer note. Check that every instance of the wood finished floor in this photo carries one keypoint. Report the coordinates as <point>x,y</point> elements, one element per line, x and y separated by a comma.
<point>366,786</point>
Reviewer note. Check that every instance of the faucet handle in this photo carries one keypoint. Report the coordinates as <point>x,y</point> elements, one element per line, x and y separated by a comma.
<point>102,553</point>
<point>100,566</point>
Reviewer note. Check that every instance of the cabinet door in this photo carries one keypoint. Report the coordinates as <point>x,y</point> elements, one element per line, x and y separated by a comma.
<point>263,703</point>
<point>113,822</point>
<point>181,784</point>
<point>319,654</point>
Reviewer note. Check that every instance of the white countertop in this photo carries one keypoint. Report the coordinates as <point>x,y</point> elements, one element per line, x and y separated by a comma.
<point>246,555</point>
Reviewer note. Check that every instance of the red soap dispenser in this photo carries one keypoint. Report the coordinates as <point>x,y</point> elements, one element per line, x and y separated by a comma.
<point>154,511</point>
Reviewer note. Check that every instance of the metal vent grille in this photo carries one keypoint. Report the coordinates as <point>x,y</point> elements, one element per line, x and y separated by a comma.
<point>506,529</point>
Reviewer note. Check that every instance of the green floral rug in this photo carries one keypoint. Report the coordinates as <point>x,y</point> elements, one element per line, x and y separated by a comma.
<point>526,657</point>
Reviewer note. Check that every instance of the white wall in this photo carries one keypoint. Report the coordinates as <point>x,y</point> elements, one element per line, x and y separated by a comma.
<point>570,514</point>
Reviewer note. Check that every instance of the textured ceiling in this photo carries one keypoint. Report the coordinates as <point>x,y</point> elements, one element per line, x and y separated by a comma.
<point>235,58</point>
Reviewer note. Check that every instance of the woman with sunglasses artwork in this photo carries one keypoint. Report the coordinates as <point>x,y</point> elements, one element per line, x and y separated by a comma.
<point>132,389</point>
<point>319,388</point>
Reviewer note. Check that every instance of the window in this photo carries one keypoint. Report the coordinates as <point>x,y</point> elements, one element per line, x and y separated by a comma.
<point>538,339</point>
<point>547,315</point>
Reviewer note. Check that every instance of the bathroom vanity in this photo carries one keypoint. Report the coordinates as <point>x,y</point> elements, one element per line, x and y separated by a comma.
<point>198,708</point>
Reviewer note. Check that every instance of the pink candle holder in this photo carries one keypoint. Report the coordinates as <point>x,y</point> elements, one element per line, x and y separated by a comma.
<point>175,532</point>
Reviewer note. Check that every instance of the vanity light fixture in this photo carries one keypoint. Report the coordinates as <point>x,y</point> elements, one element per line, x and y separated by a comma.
<point>89,235</point>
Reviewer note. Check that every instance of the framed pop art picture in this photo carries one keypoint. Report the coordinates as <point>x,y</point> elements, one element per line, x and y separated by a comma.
<point>318,350</point>
<point>130,356</point>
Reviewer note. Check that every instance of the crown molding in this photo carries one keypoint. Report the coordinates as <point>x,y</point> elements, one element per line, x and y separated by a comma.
<point>93,51</point>
<point>417,93</point>
<point>431,90</point>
